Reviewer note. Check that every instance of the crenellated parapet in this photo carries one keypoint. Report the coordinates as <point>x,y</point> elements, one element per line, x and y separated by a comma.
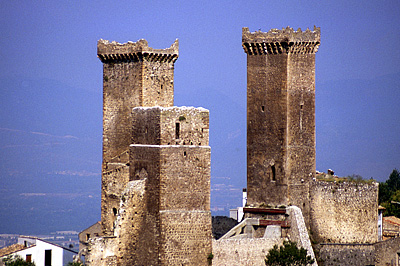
<point>135,51</point>
<point>285,41</point>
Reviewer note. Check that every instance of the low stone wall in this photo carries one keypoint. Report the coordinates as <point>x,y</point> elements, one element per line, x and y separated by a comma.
<point>244,252</point>
<point>386,252</point>
<point>346,254</point>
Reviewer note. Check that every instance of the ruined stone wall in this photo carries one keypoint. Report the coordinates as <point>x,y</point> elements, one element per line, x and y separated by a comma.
<point>344,212</point>
<point>246,251</point>
<point>113,184</point>
<point>280,115</point>
<point>101,252</point>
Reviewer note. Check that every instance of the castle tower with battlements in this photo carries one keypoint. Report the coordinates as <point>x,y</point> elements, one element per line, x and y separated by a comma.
<point>155,207</point>
<point>134,75</point>
<point>280,116</point>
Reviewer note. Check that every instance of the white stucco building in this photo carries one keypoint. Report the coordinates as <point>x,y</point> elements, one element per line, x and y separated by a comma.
<point>39,251</point>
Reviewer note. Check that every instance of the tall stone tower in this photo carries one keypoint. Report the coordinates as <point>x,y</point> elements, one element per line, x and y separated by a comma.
<point>280,116</point>
<point>134,75</point>
<point>156,164</point>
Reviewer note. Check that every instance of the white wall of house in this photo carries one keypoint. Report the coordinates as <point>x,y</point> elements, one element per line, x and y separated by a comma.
<point>59,255</point>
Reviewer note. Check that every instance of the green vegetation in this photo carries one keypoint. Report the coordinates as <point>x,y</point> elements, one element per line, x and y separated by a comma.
<point>350,178</point>
<point>389,194</point>
<point>210,258</point>
<point>16,261</point>
<point>288,254</point>
<point>74,264</point>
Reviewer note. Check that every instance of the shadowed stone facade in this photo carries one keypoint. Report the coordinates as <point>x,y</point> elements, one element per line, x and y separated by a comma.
<point>280,116</point>
<point>134,74</point>
<point>156,164</point>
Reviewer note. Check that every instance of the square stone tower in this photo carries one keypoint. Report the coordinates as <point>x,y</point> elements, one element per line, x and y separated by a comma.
<point>280,116</point>
<point>156,164</point>
<point>134,74</point>
<point>174,158</point>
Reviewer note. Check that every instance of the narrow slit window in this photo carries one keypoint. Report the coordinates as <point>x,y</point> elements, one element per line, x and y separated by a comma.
<point>115,211</point>
<point>177,129</point>
<point>262,108</point>
<point>273,173</point>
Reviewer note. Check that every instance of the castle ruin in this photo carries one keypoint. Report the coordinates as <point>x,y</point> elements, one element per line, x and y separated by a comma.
<point>155,207</point>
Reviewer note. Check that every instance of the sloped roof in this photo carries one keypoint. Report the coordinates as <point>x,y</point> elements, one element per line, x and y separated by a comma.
<point>12,249</point>
<point>48,242</point>
<point>392,220</point>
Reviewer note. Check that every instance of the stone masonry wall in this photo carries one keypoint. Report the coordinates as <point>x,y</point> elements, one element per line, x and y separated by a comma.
<point>113,184</point>
<point>170,126</point>
<point>244,252</point>
<point>386,252</point>
<point>347,254</point>
<point>344,212</point>
<point>178,194</point>
<point>300,162</point>
<point>266,130</point>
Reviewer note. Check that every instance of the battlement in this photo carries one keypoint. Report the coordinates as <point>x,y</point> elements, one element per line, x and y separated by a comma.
<point>283,41</point>
<point>135,51</point>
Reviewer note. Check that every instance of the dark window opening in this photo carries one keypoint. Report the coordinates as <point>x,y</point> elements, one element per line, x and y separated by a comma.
<point>301,106</point>
<point>262,108</point>
<point>87,237</point>
<point>115,211</point>
<point>177,130</point>
<point>273,173</point>
<point>184,153</point>
<point>25,244</point>
<point>47,257</point>
<point>28,258</point>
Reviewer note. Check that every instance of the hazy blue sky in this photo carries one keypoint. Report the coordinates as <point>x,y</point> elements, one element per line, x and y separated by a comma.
<point>51,93</point>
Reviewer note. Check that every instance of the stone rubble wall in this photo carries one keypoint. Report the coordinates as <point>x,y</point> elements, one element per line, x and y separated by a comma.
<point>347,254</point>
<point>242,252</point>
<point>345,212</point>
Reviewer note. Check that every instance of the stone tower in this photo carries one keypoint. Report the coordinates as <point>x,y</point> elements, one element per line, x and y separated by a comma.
<point>280,116</point>
<point>134,74</point>
<point>156,164</point>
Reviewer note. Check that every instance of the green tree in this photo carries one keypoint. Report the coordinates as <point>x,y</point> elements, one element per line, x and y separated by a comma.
<point>394,180</point>
<point>389,194</point>
<point>384,192</point>
<point>16,261</point>
<point>288,254</point>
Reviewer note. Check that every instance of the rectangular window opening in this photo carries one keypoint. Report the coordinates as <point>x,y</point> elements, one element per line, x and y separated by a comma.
<point>177,128</point>
<point>28,258</point>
